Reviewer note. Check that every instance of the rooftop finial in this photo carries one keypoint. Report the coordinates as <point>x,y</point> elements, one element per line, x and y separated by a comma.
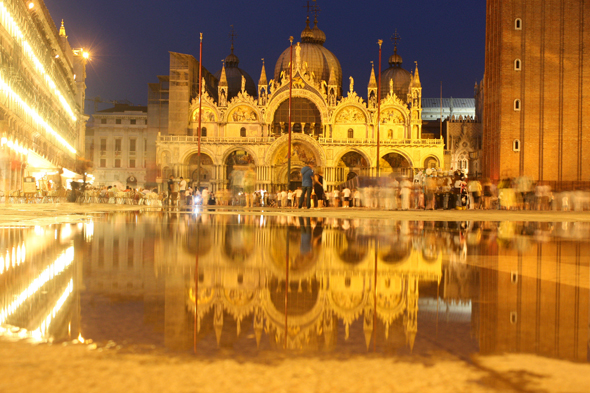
<point>62,30</point>
<point>395,38</point>
<point>232,36</point>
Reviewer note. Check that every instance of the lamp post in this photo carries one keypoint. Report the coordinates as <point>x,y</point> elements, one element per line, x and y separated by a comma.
<point>290,94</point>
<point>380,42</point>
<point>199,129</point>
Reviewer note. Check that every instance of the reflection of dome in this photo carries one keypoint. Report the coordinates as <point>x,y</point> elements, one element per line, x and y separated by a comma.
<point>302,299</point>
<point>319,59</point>
<point>238,244</point>
<point>198,238</point>
<point>395,253</point>
<point>400,77</point>
<point>234,77</point>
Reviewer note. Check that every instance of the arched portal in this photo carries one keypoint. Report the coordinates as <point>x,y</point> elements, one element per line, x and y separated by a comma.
<point>207,170</point>
<point>236,165</point>
<point>397,164</point>
<point>305,117</point>
<point>351,165</point>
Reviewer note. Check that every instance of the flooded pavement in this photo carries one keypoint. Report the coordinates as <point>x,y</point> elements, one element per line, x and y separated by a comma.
<point>261,289</point>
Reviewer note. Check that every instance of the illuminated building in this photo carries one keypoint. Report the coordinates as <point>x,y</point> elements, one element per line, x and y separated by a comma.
<point>536,88</point>
<point>246,122</point>
<point>42,89</point>
<point>119,147</point>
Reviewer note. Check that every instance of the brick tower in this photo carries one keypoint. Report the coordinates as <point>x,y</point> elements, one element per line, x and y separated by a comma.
<point>537,89</point>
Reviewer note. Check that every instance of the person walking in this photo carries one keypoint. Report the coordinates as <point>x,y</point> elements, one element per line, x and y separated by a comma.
<point>306,185</point>
<point>346,196</point>
<point>249,184</point>
<point>298,193</point>
<point>318,188</point>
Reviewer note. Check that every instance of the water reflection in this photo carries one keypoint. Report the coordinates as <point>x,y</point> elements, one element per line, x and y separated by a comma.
<point>247,284</point>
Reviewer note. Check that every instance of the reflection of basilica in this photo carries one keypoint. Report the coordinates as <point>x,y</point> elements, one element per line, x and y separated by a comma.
<point>520,287</point>
<point>334,129</point>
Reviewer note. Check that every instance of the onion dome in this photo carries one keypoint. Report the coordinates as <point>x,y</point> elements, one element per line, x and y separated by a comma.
<point>319,59</point>
<point>401,78</point>
<point>234,75</point>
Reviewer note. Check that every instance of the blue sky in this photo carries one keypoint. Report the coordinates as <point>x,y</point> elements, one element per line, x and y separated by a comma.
<point>130,40</point>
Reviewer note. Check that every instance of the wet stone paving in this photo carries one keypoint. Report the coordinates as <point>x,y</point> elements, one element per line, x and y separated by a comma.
<point>506,303</point>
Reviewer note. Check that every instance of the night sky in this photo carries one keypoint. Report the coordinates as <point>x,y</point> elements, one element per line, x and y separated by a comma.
<point>129,41</point>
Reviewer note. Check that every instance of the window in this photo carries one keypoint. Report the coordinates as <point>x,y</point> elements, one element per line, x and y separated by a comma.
<point>118,121</point>
<point>144,145</point>
<point>103,145</point>
<point>117,145</point>
<point>204,131</point>
<point>517,105</point>
<point>103,163</point>
<point>518,24</point>
<point>132,143</point>
<point>243,131</point>
<point>133,121</point>
<point>103,121</point>
<point>117,163</point>
<point>350,133</point>
<point>517,65</point>
<point>131,163</point>
<point>516,145</point>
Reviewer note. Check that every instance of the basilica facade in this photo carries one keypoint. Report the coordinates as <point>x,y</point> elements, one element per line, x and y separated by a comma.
<point>244,123</point>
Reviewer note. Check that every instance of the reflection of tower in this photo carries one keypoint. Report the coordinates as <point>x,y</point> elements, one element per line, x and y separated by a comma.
<point>411,319</point>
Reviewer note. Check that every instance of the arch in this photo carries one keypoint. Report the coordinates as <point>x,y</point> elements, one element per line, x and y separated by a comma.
<point>243,112</point>
<point>386,110</point>
<point>236,148</point>
<point>304,111</point>
<point>278,98</point>
<point>341,115</point>
<point>517,65</point>
<point>210,114</point>
<point>518,24</point>
<point>347,151</point>
<point>186,156</point>
<point>430,158</point>
<point>279,143</point>
<point>396,161</point>
<point>516,145</point>
<point>517,105</point>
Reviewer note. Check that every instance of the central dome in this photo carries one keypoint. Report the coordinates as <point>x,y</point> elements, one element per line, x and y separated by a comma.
<point>400,78</point>
<point>319,59</point>
<point>234,77</point>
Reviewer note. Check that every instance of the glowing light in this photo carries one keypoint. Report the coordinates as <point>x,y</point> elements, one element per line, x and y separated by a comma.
<point>80,338</point>
<point>34,115</point>
<point>14,29</point>
<point>86,55</point>
<point>56,268</point>
<point>42,330</point>
<point>31,5</point>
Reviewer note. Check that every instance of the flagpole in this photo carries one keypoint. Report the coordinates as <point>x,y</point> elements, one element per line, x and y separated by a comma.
<point>290,95</point>
<point>380,42</point>
<point>199,129</point>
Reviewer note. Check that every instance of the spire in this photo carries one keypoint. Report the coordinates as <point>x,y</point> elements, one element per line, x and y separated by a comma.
<point>62,30</point>
<point>416,80</point>
<point>372,80</point>
<point>332,80</point>
<point>223,77</point>
<point>262,80</point>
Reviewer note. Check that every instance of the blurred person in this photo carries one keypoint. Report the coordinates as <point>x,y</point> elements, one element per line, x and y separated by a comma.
<point>249,184</point>
<point>284,199</point>
<point>474,188</point>
<point>356,196</point>
<point>406,189</point>
<point>290,196</point>
<point>346,197</point>
<point>307,177</point>
<point>205,196</point>
<point>298,193</point>
<point>318,188</point>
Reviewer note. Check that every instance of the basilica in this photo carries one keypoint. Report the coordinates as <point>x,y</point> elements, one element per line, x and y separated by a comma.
<point>245,123</point>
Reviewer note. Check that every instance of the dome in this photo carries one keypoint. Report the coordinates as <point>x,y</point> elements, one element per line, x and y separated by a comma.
<point>401,78</point>
<point>234,77</point>
<point>319,59</point>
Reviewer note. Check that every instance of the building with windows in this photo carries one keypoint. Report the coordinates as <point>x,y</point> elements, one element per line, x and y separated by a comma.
<point>119,146</point>
<point>245,123</point>
<point>537,85</point>
<point>42,92</point>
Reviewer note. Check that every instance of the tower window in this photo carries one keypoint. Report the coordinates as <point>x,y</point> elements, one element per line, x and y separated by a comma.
<point>518,24</point>
<point>516,145</point>
<point>350,133</point>
<point>517,65</point>
<point>243,132</point>
<point>517,105</point>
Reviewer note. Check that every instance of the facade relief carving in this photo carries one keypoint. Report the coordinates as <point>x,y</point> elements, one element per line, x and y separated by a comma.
<point>350,115</point>
<point>243,114</point>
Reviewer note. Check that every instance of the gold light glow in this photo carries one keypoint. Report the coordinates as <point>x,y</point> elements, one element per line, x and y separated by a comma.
<point>86,55</point>
<point>5,88</point>
<point>56,268</point>
<point>13,29</point>
<point>31,5</point>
